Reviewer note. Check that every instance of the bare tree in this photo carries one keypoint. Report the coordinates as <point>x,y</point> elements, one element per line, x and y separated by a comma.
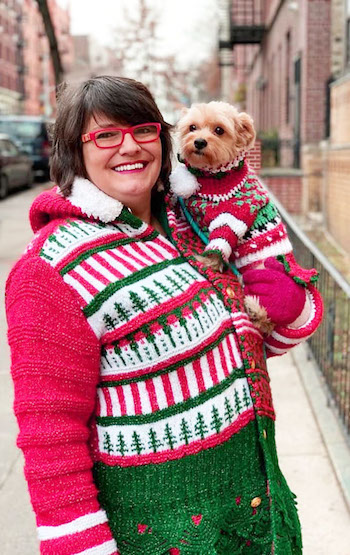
<point>51,36</point>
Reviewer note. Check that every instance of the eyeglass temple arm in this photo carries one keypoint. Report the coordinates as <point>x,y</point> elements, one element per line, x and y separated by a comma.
<point>86,138</point>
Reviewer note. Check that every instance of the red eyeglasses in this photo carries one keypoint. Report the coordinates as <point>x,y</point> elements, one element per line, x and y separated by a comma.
<point>114,136</point>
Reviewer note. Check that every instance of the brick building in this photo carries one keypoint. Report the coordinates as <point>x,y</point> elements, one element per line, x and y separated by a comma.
<point>26,76</point>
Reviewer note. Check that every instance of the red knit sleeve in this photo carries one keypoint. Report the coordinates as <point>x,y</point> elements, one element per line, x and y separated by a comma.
<point>55,368</point>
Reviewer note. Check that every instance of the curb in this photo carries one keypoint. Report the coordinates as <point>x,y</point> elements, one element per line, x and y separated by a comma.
<point>333,436</point>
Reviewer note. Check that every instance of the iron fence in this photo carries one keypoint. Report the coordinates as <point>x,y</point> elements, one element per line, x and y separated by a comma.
<point>330,345</point>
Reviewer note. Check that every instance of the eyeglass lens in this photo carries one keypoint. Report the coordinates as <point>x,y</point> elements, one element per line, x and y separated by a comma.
<point>141,134</point>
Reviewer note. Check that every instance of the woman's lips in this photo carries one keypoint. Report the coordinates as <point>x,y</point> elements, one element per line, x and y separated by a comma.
<point>131,167</point>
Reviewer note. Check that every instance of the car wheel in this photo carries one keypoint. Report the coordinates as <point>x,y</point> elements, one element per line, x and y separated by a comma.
<point>4,186</point>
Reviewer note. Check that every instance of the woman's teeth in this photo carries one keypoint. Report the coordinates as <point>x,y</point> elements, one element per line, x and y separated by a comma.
<point>128,167</point>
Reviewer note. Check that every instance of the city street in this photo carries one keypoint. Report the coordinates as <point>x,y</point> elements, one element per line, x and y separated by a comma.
<point>303,455</point>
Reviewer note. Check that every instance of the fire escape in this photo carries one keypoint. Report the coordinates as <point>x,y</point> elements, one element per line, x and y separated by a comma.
<point>241,23</point>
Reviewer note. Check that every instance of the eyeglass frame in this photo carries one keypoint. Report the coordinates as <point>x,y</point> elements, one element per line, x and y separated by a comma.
<point>91,136</point>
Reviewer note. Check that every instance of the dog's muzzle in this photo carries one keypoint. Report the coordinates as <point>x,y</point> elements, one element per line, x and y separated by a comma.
<point>200,144</point>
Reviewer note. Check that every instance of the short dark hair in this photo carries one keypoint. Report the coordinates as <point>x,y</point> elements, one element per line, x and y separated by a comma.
<point>120,99</point>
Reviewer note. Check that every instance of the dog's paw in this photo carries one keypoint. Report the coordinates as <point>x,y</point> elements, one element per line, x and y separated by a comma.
<point>211,260</point>
<point>258,315</point>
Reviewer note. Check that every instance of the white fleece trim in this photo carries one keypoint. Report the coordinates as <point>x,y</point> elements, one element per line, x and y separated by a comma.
<point>182,182</point>
<point>221,245</point>
<point>94,202</point>
<point>107,548</point>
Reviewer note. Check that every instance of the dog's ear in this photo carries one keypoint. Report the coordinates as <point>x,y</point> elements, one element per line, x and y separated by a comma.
<point>246,132</point>
<point>184,111</point>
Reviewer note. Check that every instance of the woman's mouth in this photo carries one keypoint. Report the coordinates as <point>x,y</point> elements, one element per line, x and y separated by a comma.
<point>131,167</point>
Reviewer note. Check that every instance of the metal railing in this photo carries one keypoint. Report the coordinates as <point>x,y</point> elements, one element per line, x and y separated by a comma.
<point>330,345</point>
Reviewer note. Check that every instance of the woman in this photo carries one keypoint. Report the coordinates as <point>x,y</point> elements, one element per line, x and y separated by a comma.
<point>141,389</point>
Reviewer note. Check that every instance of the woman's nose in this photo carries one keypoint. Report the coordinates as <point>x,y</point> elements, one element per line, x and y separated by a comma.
<point>129,145</point>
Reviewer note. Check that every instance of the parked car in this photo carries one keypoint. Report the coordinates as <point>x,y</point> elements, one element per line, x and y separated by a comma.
<point>30,134</point>
<point>15,166</point>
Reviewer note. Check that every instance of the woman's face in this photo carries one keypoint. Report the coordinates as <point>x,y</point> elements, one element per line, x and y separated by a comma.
<point>111,169</point>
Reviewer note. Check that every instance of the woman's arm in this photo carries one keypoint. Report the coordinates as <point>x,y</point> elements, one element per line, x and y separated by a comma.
<point>55,369</point>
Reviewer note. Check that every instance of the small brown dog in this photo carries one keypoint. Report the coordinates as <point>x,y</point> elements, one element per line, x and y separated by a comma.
<point>217,188</point>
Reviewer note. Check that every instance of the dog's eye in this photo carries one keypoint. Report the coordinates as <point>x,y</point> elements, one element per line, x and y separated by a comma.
<point>192,127</point>
<point>219,131</point>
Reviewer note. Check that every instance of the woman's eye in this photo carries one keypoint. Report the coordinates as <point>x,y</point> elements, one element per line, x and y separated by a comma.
<point>105,135</point>
<point>219,130</point>
<point>192,127</point>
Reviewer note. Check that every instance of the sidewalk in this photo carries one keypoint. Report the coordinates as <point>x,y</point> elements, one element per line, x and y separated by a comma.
<point>303,455</point>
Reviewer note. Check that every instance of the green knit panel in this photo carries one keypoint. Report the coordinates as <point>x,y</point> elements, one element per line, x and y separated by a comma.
<point>202,503</point>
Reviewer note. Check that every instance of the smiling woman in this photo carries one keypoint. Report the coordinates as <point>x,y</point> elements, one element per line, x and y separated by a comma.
<point>141,390</point>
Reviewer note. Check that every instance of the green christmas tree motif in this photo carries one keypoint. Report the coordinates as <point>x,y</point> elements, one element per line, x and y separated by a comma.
<point>200,426</point>
<point>216,421</point>
<point>167,330</point>
<point>65,230</point>
<point>238,403</point>
<point>183,278</point>
<point>174,283</point>
<point>189,274</point>
<point>185,432</point>
<point>246,397</point>
<point>136,444</point>
<point>107,444</point>
<point>169,437</point>
<point>154,443</point>
<point>152,294</point>
<point>121,446</point>
<point>195,313</point>
<point>151,339</point>
<point>122,313</point>
<point>104,356</point>
<point>137,303</point>
<point>229,412</point>
<point>118,352</point>
<point>79,227</point>
<point>53,239</point>
<point>168,292</point>
<point>135,348</point>
<point>109,321</point>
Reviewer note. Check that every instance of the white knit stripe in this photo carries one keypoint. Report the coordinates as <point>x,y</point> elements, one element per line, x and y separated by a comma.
<point>276,350</point>
<point>237,226</point>
<point>79,524</point>
<point>96,265</point>
<point>191,380</point>
<point>115,401</point>
<point>165,247</point>
<point>221,245</point>
<point>85,274</point>
<point>135,256</point>
<point>78,287</point>
<point>129,402</point>
<point>227,356</point>
<point>175,386</point>
<point>125,255</point>
<point>152,254</point>
<point>281,247</point>
<point>119,266</point>
<point>106,548</point>
<point>237,359</point>
<point>144,396</point>
<point>208,382</point>
<point>160,393</point>
<point>218,364</point>
<point>173,422</point>
<point>103,405</point>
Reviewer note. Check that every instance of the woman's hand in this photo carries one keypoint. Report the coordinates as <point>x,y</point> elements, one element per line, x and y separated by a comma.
<point>278,293</point>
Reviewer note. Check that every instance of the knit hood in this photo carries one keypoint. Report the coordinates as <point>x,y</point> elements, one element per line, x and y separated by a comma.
<point>86,200</point>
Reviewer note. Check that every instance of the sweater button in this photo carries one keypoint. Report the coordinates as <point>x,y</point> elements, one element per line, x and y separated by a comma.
<point>255,502</point>
<point>264,434</point>
<point>230,293</point>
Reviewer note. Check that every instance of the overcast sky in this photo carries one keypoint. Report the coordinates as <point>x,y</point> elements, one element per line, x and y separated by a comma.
<point>188,27</point>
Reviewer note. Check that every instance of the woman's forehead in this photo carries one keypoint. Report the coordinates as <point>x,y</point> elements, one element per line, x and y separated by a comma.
<point>99,120</point>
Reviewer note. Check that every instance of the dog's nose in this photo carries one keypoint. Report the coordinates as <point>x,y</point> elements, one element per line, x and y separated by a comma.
<point>200,143</point>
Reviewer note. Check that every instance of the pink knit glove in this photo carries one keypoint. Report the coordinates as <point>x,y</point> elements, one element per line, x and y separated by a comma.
<point>277,292</point>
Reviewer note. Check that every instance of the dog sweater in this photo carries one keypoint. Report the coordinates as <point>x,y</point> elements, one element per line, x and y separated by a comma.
<point>141,390</point>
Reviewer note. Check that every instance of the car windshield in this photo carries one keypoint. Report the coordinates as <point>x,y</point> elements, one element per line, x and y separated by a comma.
<point>21,129</point>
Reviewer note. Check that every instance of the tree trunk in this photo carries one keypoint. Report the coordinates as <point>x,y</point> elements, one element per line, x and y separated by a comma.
<point>51,36</point>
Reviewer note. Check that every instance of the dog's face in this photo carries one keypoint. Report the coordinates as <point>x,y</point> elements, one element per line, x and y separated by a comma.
<point>212,135</point>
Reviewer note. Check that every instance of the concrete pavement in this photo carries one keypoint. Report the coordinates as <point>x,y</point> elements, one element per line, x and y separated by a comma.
<point>304,457</point>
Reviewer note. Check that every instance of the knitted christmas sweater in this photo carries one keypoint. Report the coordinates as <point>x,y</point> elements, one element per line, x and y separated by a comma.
<point>141,389</point>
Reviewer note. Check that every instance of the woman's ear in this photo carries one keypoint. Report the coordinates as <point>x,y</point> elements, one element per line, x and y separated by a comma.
<point>245,130</point>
